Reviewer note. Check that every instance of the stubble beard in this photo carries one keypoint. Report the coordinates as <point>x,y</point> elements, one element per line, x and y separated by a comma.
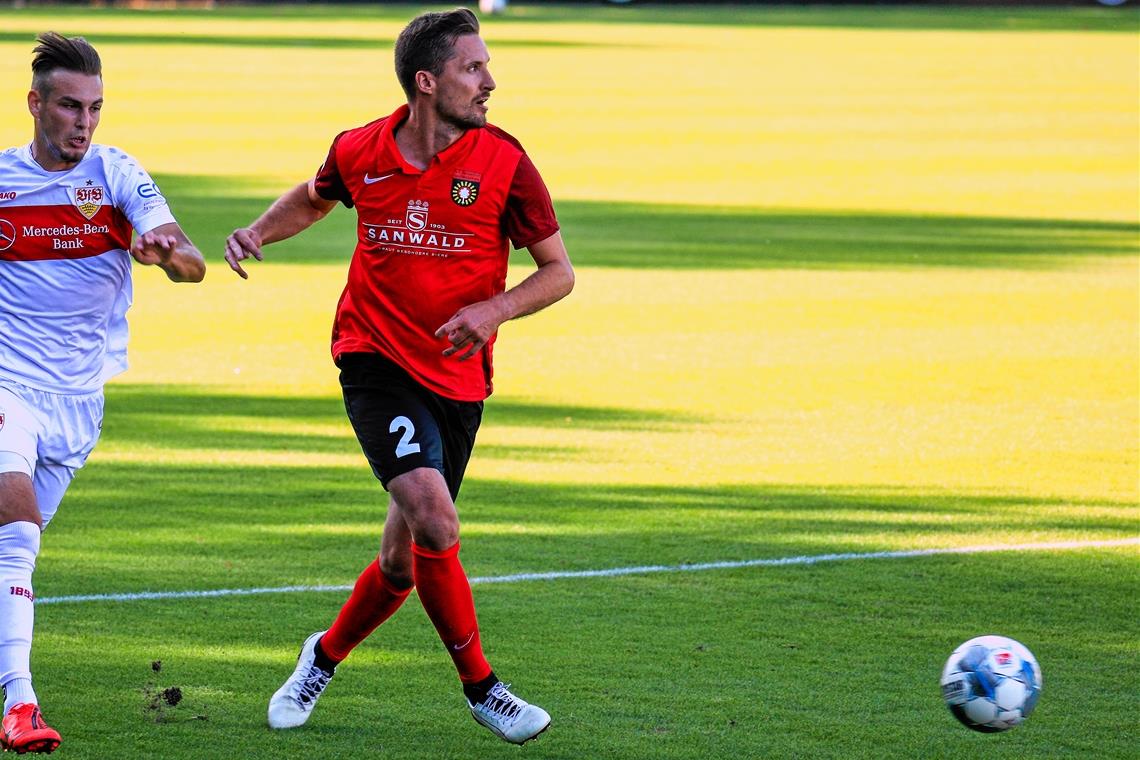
<point>463,121</point>
<point>62,154</point>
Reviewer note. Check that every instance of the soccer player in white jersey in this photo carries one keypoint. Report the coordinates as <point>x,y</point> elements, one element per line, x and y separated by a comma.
<point>67,211</point>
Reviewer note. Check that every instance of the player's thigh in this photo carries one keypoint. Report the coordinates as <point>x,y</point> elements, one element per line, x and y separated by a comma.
<point>74,424</point>
<point>392,418</point>
<point>74,427</point>
<point>18,499</point>
<point>66,447</point>
<point>51,481</point>
<point>47,437</point>
<point>20,428</point>
<point>461,421</point>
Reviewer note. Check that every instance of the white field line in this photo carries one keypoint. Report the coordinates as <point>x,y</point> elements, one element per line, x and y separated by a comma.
<point>813,559</point>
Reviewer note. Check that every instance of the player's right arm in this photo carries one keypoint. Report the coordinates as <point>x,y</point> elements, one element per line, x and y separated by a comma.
<point>293,212</point>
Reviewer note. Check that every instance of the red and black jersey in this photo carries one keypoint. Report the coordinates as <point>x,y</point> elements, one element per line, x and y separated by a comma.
<point>429,243</point>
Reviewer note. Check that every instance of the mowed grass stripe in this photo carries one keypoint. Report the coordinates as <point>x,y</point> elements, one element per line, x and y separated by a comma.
<point>915,377</point>
<point>690,237</point>
<point>613,572</point>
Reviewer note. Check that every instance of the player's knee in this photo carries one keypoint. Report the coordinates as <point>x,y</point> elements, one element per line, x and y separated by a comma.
<point>437,530</point>
<point>397,573</point>
<point>427,508</point>
<point>396,565</point>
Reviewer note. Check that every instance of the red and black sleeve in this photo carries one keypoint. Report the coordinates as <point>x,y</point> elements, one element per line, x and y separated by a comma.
<point>329,183</point>
<point>529,217</point>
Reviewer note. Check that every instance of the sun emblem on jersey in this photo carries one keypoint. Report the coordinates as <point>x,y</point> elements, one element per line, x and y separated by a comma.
<point>464,191</point>
<point>88,200</point>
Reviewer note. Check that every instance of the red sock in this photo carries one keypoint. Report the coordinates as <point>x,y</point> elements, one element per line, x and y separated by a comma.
<point>373,600</point>
<point>446,595</point>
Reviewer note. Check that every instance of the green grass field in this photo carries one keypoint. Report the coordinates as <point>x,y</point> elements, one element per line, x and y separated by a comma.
<point>850,281</point>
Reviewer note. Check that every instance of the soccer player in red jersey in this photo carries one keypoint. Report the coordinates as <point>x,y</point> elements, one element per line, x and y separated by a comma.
<point>440,194</point>
<point>67,210</point>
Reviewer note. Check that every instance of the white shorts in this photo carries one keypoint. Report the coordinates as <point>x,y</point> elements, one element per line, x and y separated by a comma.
<point>47,436</point>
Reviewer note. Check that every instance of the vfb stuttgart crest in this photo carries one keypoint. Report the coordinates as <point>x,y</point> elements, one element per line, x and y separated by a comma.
<point>88,200</point>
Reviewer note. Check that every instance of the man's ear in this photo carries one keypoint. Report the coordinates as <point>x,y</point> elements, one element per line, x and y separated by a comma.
<point>425,82</point>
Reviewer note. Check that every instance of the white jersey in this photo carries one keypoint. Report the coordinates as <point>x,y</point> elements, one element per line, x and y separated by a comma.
<point>65,274</point>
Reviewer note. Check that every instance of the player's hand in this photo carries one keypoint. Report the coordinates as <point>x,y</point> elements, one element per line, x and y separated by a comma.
<point>242,244</point>
<point>471,327</point>
<point>153,248</point>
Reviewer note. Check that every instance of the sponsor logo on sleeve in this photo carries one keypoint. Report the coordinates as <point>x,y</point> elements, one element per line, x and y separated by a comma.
<point>148,190</point>
<point>7,195</point>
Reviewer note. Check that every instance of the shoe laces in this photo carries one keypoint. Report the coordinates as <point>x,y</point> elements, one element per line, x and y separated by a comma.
<point>502,703</point>
<point>307,689</point>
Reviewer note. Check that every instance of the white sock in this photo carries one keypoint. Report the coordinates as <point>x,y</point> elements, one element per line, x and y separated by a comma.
<point>19,545</point>
<point>19,691</point>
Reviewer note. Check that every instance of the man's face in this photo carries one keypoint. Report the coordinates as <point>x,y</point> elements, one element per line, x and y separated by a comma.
<point>465,84</point>
<point>66,116</point>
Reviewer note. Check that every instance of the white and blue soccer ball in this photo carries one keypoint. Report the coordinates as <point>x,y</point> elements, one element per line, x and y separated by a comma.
<point>991,683</point>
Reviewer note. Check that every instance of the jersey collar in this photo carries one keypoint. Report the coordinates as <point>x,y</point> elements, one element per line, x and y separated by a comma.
<point>25,154</point>
<point>390,158</point>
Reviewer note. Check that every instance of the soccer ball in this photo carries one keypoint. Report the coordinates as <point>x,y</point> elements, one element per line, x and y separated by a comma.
<point>991,683</point>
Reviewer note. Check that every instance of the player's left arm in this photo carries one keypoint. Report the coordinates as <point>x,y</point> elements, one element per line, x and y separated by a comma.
<point>168,247</point>
<point>472,326</point>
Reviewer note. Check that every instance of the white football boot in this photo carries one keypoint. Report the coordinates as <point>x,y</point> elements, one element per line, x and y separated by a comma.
<point>292,704</point>
<point>510,718</point>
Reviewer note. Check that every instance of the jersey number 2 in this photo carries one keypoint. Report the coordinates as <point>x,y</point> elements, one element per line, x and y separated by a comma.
<point>405,446</point>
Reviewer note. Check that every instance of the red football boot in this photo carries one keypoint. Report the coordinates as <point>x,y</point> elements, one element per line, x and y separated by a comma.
<point>24,730</point>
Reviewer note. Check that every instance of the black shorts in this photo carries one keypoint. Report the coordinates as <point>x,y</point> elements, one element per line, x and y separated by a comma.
<point>401,425</point>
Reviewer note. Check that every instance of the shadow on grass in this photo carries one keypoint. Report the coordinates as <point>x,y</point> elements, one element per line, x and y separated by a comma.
<point>169,419</point>
<point>157,526</point>
<point>176,417</point>
<point>645,236</point>
<point>166,523</point>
